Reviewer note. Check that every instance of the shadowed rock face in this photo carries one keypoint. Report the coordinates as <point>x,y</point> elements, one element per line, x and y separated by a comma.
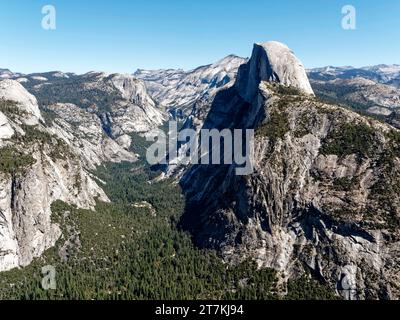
<point>270,61</point>
<point>321,200</point>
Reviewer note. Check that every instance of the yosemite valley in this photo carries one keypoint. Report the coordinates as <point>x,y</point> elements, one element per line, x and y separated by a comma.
<point>316,217</point>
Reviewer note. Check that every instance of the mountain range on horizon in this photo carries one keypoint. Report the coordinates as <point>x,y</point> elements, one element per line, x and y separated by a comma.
<point>388,69</point>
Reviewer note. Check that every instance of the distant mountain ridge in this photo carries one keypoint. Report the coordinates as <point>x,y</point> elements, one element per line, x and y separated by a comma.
<point>374,90</point>
<point>382,73</point>
<point>179,90</point>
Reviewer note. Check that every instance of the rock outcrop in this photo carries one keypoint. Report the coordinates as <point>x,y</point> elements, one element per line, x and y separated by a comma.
<point>273,62</point>
<point>384,74</point>
<point>83,132</point>
<point>36,168</point>
<point>361,94</point>
<point>121,102</point>
<point>6,131</point>
<point>323,198</point>
<point>47,158</point>
<point>13,91</point>
<point>178,90</point>
<point>187,96</point>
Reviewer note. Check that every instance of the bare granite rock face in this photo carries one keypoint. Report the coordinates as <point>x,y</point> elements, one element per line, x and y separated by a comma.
<point>44,159</point>
<point>270,61</point>
<point>273,62</point>
<point>120,101</point>
<point>14,91</point>
<point>324,196</point>
<point>36,168</point>
<point>83,132</point>
<point>381,73</point>
<point>136,111</point>
<point>27,229</point>
<point>178,91</point>
<point>187,96</point>
<point>362,94</point>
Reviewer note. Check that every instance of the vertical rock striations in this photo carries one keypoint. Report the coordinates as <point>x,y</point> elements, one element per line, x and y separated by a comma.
<point>323,198</point>
<point>36,168</point>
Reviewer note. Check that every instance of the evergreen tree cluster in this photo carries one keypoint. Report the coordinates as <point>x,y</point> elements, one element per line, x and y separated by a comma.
<point>123,251</point>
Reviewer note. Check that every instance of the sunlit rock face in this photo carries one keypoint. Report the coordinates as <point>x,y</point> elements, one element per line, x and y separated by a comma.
<point>272,62</point>
<point>37,169</point>
<point>26,102</point>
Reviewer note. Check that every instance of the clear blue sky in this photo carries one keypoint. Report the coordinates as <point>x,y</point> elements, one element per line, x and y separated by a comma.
<point>123,35</point>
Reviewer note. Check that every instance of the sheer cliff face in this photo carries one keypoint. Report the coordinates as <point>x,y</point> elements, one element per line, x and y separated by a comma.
<point>83,132</point>
<point>187,96</point>
<point>323,197</point>
<point>272,62</point>
<point>36,168</point>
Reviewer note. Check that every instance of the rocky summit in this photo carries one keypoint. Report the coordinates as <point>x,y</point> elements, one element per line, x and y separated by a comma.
<point>323,198</point>
<point>273,62</point>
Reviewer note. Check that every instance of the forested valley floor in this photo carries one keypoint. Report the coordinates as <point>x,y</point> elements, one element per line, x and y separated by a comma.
<point>132,248</point>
